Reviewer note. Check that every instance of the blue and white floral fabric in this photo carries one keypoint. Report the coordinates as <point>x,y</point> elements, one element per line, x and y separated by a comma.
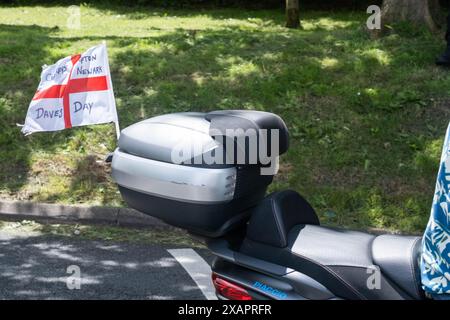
<point>435,261</point>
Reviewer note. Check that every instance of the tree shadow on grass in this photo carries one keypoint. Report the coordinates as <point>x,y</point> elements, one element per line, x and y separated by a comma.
<point>92,180</point>
<point>248,17</point>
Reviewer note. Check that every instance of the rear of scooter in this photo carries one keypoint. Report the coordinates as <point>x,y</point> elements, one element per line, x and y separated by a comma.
<point>238,273</point>
<point>208,173</point>
<point>238,276</point>
<point>284,253</point>
<point>205,172</point>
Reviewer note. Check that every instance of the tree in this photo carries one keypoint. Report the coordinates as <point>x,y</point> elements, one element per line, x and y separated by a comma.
<point>418,12</point>
<point>292,14</point>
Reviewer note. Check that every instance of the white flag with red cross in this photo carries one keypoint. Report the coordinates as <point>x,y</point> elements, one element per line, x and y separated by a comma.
<point>75,91</point>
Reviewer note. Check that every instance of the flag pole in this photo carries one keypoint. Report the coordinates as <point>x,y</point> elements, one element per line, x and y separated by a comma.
<point>116,123</point>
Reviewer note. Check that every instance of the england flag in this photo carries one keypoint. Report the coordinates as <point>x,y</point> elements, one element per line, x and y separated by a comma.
<point>75,91</point>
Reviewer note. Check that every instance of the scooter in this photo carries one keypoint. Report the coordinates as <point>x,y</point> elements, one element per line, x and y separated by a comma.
<point>208,173</point>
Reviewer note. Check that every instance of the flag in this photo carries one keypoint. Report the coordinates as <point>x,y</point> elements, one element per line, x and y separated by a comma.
<point>75,91</point>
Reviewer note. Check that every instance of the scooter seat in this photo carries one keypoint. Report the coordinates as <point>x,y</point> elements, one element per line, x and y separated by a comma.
<point>398,258</point>
<point>351,264</point>
<point>348,251</point>
<point>284,229</point>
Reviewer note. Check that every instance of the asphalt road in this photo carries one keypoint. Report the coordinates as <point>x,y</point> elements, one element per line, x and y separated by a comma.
<point>46,267</point>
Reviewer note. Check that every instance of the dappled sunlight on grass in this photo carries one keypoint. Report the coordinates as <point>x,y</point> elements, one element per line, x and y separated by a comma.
<point>380,56</point>
<point>244,69</point>
<point>328,24</point>
<point>427,159</point>
<point>329,63</point>
<point>141,22</point>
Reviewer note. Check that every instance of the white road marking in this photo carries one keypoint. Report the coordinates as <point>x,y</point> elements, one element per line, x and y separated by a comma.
<point>198,270</point>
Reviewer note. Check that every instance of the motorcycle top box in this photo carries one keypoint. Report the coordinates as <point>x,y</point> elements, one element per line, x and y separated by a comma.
<point>199,171</point>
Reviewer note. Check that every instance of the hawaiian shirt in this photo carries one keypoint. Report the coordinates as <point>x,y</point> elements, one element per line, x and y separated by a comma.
<point>435,259</point>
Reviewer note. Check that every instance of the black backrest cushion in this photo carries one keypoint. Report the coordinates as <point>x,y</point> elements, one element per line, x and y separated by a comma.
<point>245,120</point>
<point>272,219</point>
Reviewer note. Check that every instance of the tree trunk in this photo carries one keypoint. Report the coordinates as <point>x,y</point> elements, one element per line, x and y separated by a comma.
<point>419,12</point>
<point>292,14</point>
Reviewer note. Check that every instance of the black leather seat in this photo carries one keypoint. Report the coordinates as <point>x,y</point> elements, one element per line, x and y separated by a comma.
<point>398,258</point>
<point>344,261</point>
<point>351,256</point>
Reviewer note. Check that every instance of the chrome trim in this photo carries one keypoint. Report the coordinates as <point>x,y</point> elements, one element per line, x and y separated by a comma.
<point>173,181</point>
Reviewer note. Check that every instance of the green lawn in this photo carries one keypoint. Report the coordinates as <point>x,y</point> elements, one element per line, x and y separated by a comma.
<point>367,117</point>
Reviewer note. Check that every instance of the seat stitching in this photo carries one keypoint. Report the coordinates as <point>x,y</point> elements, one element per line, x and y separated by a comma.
<point>333,273</point>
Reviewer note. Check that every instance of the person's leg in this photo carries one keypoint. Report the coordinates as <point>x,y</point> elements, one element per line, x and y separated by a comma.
<point>444,59</point>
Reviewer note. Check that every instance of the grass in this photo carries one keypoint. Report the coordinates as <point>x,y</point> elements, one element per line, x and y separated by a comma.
<point>159,236</point>
<point>367,117</point>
